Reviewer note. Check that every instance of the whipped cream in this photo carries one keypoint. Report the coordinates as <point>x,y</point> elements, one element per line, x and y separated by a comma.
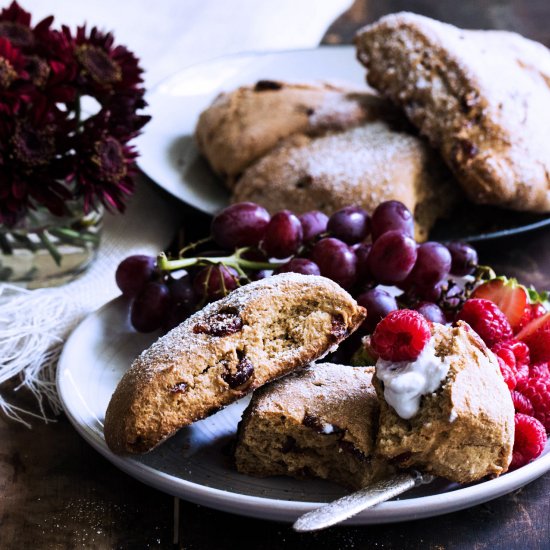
<point>405,382</point>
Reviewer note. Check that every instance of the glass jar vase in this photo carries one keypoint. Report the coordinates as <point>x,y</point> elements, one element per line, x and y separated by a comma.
<point>44,250</point>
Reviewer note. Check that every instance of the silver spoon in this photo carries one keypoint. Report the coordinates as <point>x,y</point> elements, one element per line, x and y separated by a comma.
<point>349,505</point>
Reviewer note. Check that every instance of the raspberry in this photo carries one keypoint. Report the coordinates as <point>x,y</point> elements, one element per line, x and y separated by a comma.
<point>516,355</point>
<point>522,403</point>
<point>521,351</point>
<point>401,335</point>
<point>522,373</point>
<point>529,441</point>
<point>508,373</point>
<point>539,370</point>
<point>503,350</point>
<point>537,390</point>
<point>486,319</point>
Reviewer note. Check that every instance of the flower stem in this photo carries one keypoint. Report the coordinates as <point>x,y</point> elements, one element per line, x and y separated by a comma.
<point>52,249</point>
<point>74,237</point>
<point>25,241</point>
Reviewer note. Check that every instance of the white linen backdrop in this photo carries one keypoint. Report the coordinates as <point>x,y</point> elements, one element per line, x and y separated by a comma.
<point>167,35</point>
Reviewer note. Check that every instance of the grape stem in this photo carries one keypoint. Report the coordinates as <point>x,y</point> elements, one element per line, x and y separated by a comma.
<point>234,260</point>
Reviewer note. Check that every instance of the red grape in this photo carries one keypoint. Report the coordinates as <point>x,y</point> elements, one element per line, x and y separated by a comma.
<point>183,299</point>
<point>241,224</point>
<point>362,252</point>
<point>432,312</point>
<point>350,224</point>
<point>150,307</point>
<point>464,258</point>
<point>391,215</point>
<point>336,260</point>
<point>432,265</point>
<point>313,223</point>
<point>429,293</point>
<point>283,235</point>
<point>392,257</point>
<point>299,265</point>
<point>378,303</point>
<point>182,293</point>
<point>254,255</point>
<point>134,272</point>
<point>215,281</point>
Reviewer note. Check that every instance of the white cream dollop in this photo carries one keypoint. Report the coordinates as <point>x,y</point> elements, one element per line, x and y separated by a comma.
<point>405,382</point>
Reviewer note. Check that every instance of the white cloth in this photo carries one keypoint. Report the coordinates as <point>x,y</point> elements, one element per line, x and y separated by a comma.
<point>166,35</point>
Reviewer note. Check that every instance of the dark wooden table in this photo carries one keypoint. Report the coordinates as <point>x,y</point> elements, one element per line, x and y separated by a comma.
<point>57,492</point>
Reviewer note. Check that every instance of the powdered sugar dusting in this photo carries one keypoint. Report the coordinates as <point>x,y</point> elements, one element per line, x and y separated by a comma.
<point>168,349</point>
<point>363,165</point>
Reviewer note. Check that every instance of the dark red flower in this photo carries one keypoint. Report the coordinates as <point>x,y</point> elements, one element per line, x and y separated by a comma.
<point>105,68</point>
<point>15,25</point>
<point>49,151</point>
<point>105,164</point>
<point>12,64</point>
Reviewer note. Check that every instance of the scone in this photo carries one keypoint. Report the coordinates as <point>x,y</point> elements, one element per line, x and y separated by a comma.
<point>464,430</point>
<point>257,333</point>
<point>364,166</point>
<point>241,126</point>
<point>481,97</point>
<point>319,422</point>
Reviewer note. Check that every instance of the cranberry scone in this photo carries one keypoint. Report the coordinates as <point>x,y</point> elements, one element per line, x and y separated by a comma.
<point>449,411</point>
<point>241,126</point>
<point>365,166</point>
<point>259,332</point>
<point>319,422</point>
<point>481,98</point>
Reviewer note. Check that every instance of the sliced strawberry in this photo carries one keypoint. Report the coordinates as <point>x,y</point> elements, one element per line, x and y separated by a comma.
<point>532,311</point>
<point>508,295</point>
<point>537,337</point>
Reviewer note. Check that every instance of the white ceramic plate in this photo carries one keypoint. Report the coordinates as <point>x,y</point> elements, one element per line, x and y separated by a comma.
<point>168,152</point>
<point>192,465</point>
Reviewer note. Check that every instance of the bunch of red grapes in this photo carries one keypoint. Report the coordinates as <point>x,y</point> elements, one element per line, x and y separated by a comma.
<point>358,251</point>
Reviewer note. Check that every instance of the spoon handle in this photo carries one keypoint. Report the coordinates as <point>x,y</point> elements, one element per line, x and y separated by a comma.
<point>349,505</point>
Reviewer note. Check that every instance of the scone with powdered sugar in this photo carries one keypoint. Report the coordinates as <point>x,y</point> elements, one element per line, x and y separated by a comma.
<point>319,422</point>
<point>364,166</point>
<point>258,333</point>
<point>243,125</point>
<point>481,98</point>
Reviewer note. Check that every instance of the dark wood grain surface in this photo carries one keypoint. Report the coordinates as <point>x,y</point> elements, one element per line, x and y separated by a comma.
<point>57,492</point>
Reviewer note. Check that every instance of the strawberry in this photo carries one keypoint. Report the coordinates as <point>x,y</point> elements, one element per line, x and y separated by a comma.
<point>509,296</point>
<point>537,337</point>
<point>532,311</point>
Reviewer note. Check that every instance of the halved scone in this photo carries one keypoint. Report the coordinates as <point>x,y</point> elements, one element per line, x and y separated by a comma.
<point>259,332</point>
<point>319,422</point>
<point>464,430</point>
